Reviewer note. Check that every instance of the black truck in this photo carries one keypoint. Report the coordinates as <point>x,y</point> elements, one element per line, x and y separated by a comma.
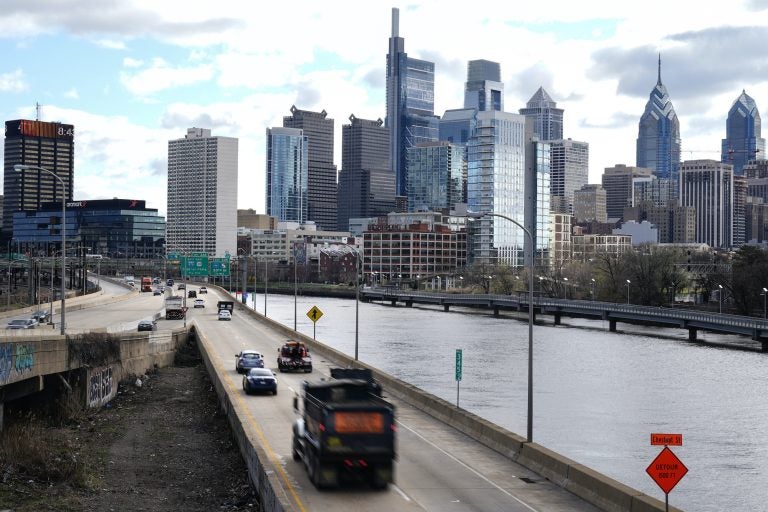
<point>360,374</point>
<point>345,433</point>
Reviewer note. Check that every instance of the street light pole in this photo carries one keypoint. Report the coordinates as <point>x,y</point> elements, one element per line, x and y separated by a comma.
<point>628,283</point>
<point>765,294</point>
<point>357,300</point>
<point>63,229</point>
<point>565,288</point>
<point>593,289</point>
<point>529,436</point>
<point>720,297</point>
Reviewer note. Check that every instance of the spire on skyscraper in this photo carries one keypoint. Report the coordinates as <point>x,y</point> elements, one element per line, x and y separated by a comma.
<point>658,81</point>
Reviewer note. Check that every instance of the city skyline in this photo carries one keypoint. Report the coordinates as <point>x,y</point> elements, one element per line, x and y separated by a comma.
<point>135,76</point>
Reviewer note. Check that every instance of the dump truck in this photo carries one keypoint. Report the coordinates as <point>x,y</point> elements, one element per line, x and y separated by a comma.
<point>229,305</point>
<point>364,374</point>
<point>344,433</point>
<point>174,308</point>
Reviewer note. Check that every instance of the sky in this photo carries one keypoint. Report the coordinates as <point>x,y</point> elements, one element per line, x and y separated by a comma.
<point>133,74</point>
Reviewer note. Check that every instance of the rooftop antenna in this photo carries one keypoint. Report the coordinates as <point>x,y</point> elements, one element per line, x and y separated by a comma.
<point>659,80</point>
<point>38,107</point>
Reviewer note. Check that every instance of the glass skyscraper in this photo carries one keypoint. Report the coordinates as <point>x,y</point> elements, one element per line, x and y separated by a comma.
<point>484,90</point>
<point>287,174</point>
<point>410,104</point>
<point>547,118</point>
<point>742,141</point>
<point>658,139</point>
<point>435,176</point>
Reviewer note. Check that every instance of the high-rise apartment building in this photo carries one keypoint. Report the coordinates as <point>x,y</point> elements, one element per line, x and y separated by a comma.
<point>287,174</point>
<point>742,141</point>
<point>589,204</point>
<point>42,144</point>
<point>322,185</point>
<point>618,185</point>
<point>658,139</point>
<point>483,89</point>
<point>569,171</point>
<point>366,182</point>
<point>657,191</point>
<point>410,104</point>
<point>436,176</point>
<point>202,194</point>
<point>707,186</point>
<point>547,118</point>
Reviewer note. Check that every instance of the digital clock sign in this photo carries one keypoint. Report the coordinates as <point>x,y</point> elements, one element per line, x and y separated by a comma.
<point>27,128</point>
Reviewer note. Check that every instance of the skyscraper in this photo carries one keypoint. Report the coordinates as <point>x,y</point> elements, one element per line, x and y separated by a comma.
<point>42,144</point>
<point>484,90</point>
<point>569,170</point>
<point>202,194</point>
<point>742,141</point>
<point>707,186</point>
<point>366,182</point>
<point>436,173</point>
<point>547,118</point>
<point>410,104</point>
<point>618,184</point>
<point>658,139</point>
<point>287,174</point>
<point>321,179</point>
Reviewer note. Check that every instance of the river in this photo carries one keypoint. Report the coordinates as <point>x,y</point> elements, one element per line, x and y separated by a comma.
<point>597,395</point>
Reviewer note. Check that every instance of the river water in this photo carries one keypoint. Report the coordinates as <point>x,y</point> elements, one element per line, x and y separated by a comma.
<point>597,395</point>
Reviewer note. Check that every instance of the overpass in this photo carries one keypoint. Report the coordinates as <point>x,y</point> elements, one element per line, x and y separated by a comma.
<point>448,458</point>
<point>613,313</point>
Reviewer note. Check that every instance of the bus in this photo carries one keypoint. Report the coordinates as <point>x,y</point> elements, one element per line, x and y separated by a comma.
<point>146,284</point>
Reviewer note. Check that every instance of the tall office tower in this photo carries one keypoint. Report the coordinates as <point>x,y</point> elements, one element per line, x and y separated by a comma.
<point>618,185</point>
<point>756,173</point>
<point>322,184</point>
<point>484,90</point>
<point>202,194</point>
<point>653,190</point>
<point>739,210</point>
<point>410,104</point>
<point>366,182</point>
<point>707,186</point>
<point>569,170</point>
<point>507,175</point>
<point>287,174</point>
<point>42,144</point>
<point>658,139</point>
<point>742,141</point>
<point>548,119</point>
<point>436,176</point>
<point>589,204</point>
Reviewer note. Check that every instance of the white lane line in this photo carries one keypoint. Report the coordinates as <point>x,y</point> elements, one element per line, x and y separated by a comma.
<point>400,492</point>
<point>526,505</point>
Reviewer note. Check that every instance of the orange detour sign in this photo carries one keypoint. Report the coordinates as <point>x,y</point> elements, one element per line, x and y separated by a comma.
<point>666,470</point>
<point>667,439</point>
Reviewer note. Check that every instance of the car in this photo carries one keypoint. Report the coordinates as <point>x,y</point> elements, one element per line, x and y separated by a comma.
<point>260,379</point>
<point>157,292</point>
<point>182,286</point>
<point>203,290</point>
<point>40,315</point>
<point>199,303</point>
<point>191,294</point>
<point>169,282</point>
<point>225,315</point>
<point>22,323</point>
<point>248,359</point>
<point>156,280</point>
<point>147,325</point>
<point>294,355</point>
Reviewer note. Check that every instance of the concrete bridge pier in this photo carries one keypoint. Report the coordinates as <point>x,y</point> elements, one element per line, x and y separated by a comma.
<point>495,311</point>
<point>692,331</point>
<point>557,318</point>
<point>409,304</point>
<point>393,302</point>
<point>446,307</point>
<point>612,325</point>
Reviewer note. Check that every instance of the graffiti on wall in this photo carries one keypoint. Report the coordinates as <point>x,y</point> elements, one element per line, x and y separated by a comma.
<point>15,360</point>
<point>101,388</point>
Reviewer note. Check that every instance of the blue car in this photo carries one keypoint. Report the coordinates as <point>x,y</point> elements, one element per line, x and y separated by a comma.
<point>248,359</point>
<point>260,379</point>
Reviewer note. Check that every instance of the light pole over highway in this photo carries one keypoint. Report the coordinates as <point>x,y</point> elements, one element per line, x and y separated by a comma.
<point>720,297</point>
<point>529,436</point>
<point>628,283</point>
<point>765,294</point>
<point>593,289</point>
<point>63,229</point>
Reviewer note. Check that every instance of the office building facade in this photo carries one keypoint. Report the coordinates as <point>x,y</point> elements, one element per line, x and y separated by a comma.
<point>547,118</point>
<point>658,138</point>
<point>743,141</point>
<point>202,194</point>
<point>287,174</point>
<point>618,182</point>
<point>436,176</point>
<point>42,144</point>
<point>707,187</point>
<point>569,171</point>
<point>366,182</point>
<point>589,204</point>
<point>483,89</point>
<point>410,104</point>
<point>322,185</point>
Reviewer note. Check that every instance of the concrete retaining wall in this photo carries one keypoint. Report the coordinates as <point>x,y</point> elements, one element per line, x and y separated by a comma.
<point>592,486</point>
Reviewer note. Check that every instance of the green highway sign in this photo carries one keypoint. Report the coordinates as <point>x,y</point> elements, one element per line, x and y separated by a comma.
<point>194,266</point>
<point>458,364</point>
<point>220,267</point>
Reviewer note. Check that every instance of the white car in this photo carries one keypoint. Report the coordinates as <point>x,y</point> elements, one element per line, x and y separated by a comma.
<point>199,303</point>
<point>225,315</point>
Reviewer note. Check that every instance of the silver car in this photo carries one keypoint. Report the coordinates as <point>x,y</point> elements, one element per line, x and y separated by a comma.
<point>22,323</point>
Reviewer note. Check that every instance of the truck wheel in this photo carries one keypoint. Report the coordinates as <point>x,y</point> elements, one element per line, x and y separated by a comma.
<point>295,450</point>
<point>381,475</point>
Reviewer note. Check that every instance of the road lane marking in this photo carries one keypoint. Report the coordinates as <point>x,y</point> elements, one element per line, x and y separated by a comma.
<point>477,473</point>
<point>400,492</point>
<point>233,392</point>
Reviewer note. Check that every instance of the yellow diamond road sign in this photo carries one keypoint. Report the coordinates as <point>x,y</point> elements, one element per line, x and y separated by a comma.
<point>314,314</point>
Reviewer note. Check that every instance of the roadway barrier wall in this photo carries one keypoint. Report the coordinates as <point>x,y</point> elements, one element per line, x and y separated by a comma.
<point>592,486</point>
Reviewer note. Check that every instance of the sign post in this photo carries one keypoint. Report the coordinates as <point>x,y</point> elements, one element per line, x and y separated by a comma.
<point>458,372</point>
<point>314,314</point>
<point>666,469</point>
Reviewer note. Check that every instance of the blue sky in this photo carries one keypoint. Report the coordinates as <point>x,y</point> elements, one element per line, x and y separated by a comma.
<point>133,74</point>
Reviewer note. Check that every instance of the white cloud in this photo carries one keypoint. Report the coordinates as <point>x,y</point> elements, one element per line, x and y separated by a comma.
<point>161,76</point>
<point>112,44</point>
<point>129,62</point>
<point>13,81</point>
<point>72,94</point>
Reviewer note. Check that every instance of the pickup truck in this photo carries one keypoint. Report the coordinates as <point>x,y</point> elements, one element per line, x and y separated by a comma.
<point>294,355</point>
<point>344,432</point>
